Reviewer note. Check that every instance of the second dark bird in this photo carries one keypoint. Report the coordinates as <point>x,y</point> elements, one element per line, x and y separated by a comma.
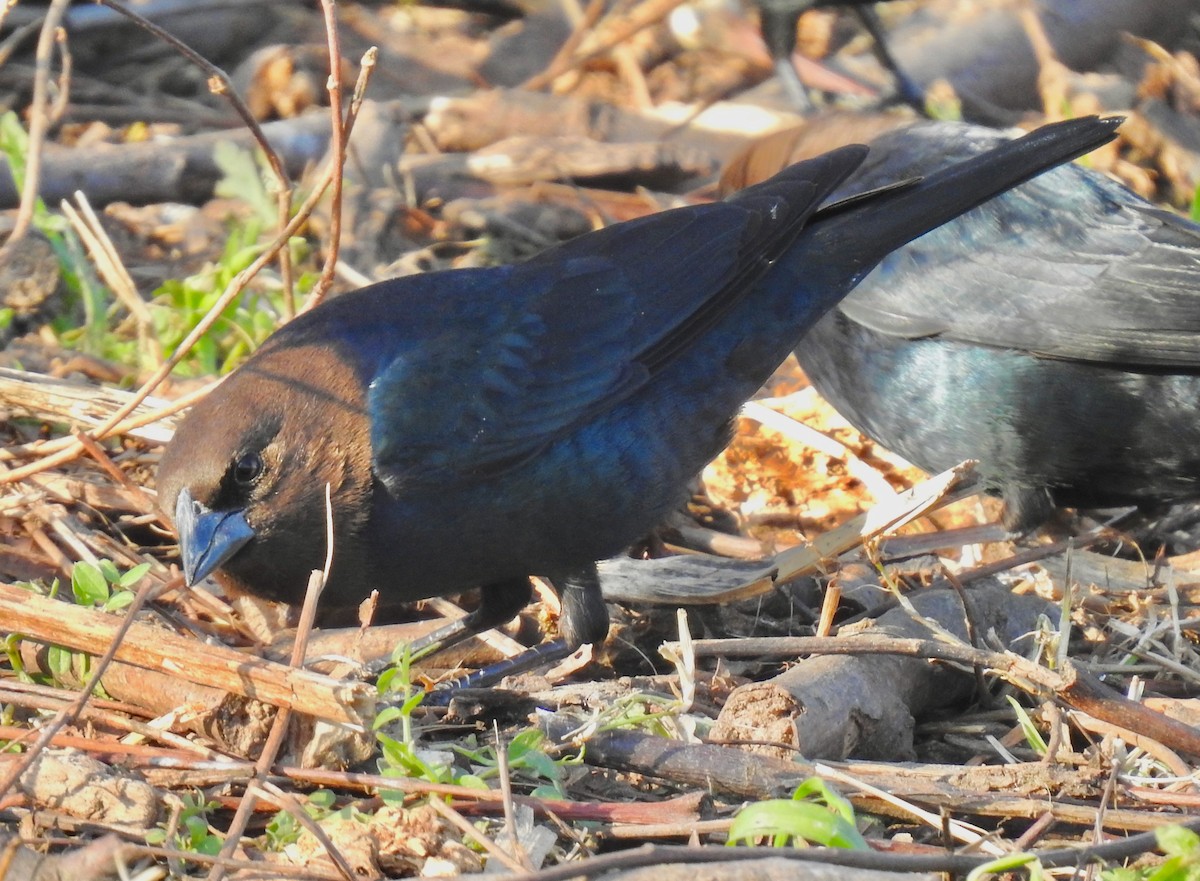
<point>1053,334</point>
<point>778,20</point>
<point>478,426</point>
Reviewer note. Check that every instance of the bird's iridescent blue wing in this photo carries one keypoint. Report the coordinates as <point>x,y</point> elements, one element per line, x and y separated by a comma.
<point>583,327</point>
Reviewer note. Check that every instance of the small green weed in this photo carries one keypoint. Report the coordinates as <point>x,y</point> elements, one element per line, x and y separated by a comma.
<point>816,813</point>
<point>654,714</point>
<point>400,757</point>
<point>1182,849</point>
<point>1033,737</point>
<point>192,833</point>
<point>528,762</point>
<point>178,304</point>
<point>403,756</point>
<point>102,585</point>
<point>1009,863</point>
<point>284,829</point>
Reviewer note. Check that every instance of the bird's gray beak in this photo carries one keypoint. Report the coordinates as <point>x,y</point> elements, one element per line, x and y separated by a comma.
<point>207,538</point>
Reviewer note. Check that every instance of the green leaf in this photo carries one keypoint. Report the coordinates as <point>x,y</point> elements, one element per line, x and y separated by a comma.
<point>88,584</point>
<point>1033,737</point>
<point>541,764</point>
<point>414,701</point>
<point>782,819</point>
<point>58,659</point>
<point>1177,841</point>
<point>385,716</point>
<point>384,683</point>
<point>402,758</point>
<point>323,799</point>
<point>393,797</point>
<point>119,600</point>
<point>155,837</point>
<point>197,828</point>
<point>109,570</point>
<point>284,829</point>
<point>14,143</point>
<point>816,789</point>
<point>12,650</point>
<point>209,845</point>
<point>133,576</point>
<point>1008,863</point>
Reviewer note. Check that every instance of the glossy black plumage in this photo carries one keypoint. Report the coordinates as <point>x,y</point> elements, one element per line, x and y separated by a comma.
<point>1053,334</point>
<point>475,427</point>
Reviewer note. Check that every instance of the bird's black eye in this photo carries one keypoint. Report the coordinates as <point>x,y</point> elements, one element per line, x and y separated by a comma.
<point>247,468</point>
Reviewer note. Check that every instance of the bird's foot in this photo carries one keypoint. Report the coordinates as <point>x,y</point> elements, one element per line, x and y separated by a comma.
<point>489,676</point>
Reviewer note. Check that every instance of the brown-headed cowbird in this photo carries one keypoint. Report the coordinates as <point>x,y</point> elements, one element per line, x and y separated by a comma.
<point>478,426</point>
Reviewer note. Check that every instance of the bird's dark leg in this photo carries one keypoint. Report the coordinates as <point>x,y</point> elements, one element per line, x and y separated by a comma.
<point>785,69</point>
<point>1025,508</point>
<point>909,91</point>
<point>498,602</point>
<point>777,19</point>
<point>584,615</point>
<point>584,619</point>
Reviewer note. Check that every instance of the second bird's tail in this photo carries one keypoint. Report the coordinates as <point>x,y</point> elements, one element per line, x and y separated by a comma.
<point>864,229</point>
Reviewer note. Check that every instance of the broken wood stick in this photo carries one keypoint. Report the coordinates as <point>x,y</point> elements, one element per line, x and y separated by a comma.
<point>85,630</point>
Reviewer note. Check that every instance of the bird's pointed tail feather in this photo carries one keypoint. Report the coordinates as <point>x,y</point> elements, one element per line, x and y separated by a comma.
<point>895,216</point>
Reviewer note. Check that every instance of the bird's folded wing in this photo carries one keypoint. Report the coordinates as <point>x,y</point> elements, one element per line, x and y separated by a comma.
<point>586,325</point>
<point>1066,266</point>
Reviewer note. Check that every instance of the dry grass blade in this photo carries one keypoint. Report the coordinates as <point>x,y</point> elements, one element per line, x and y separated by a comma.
<point>112,270</point>
<point>964,833</point>
<point>876,483</point>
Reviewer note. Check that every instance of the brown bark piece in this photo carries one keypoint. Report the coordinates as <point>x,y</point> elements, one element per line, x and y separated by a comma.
<point>522,160</point>
<point>989,790</point>
<point>83,787</point>
<point>98,860</point>
<point>834,706</point>
<point>73,627</point>
<point>182,170</point>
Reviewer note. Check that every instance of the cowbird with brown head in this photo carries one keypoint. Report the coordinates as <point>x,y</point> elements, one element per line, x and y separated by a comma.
<point>478,426</point>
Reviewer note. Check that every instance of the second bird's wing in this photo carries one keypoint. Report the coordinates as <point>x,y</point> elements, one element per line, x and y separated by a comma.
<point>1069,265</point>
<point>561,339</point>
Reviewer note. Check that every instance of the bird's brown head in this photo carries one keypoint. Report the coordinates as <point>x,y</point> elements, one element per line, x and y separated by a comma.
<point>246,472</point>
